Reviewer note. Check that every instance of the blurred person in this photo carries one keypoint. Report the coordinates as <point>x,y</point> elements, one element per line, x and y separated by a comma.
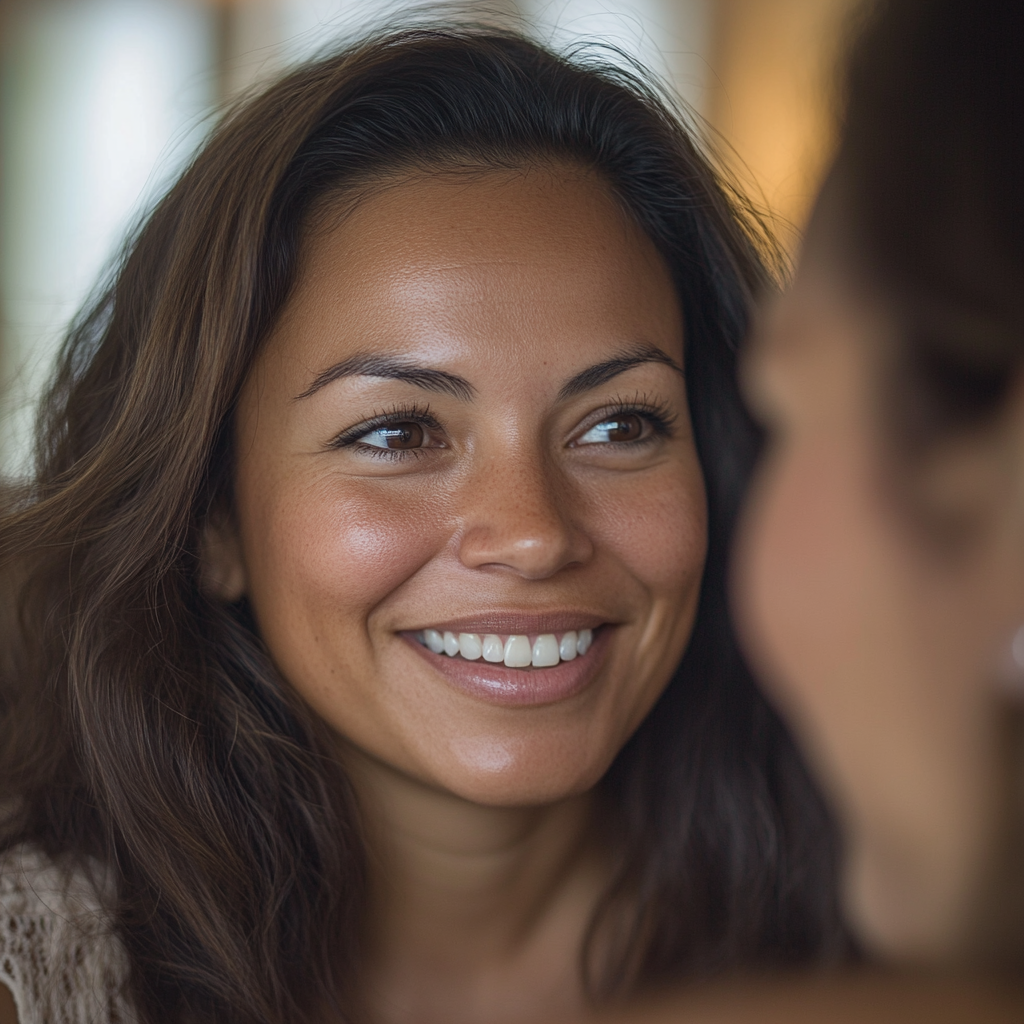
<point>880,565</point>
<point>879,570</point>
<point>372,658</point>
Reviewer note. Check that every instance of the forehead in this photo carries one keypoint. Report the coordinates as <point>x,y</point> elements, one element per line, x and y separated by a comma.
<point>545,210</point>
<point>515,252</point>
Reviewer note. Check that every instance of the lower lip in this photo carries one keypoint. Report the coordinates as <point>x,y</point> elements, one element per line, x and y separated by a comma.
<point>519,687</point>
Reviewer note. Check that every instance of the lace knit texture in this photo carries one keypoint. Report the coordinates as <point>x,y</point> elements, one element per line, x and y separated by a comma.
<point>57,953</point>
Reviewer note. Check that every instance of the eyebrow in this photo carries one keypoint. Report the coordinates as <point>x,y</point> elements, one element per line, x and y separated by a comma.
<point>601,373</point>
<point>442,382</point>
<point>389,368</point>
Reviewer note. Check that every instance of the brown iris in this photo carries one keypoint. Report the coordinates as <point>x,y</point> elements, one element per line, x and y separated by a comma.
<point>402,436</point>
<point>624,428</point>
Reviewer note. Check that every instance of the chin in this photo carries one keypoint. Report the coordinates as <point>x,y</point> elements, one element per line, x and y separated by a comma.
<point>500,773</point>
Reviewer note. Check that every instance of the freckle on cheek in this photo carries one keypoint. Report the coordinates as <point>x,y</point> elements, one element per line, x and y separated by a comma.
<point>665,541</point>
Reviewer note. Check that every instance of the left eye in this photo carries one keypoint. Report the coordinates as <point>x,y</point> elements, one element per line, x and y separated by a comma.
<point>627,427</point>
<point>396,436</point>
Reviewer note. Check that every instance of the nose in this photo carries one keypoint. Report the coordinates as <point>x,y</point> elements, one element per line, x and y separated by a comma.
<point>519,515</point>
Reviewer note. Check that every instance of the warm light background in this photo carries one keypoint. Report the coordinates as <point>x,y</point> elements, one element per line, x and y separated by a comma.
<point>101,102</point>
<point>773,94</point>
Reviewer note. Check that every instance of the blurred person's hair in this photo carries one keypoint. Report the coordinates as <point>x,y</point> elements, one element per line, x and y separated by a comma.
<point>925,206</point>
<point>145,728</point>
<point>928,194</point>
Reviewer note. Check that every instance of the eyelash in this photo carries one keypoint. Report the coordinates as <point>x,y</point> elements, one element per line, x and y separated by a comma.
<point>659,416</point>
<point>398,414</point>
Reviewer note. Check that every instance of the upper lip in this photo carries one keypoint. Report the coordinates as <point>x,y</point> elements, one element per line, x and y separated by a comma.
<point>522,623</point>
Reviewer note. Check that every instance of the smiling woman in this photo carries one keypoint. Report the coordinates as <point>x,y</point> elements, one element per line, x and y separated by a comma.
<point>373,660</point>
<point>455,476</point>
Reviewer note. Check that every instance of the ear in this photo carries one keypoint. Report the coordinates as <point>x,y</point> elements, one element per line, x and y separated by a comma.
<point>222,572</point>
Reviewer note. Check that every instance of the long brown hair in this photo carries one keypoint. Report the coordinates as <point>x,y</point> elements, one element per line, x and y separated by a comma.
<point>928,199</point>
<point>144,724</point>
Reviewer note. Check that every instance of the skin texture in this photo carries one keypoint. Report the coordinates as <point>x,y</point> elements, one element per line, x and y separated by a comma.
<point>479,816</point>
<point>877,598</point>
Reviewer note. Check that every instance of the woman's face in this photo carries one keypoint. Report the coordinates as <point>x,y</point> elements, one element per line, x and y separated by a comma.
<point>880,642</point>
<point>471,419</point>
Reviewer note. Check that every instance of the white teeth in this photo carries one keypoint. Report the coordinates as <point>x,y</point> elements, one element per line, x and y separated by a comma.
<point>494,649</point>
<point>518,653</point>
<point>470,646</point>
<point>567,648</point>
<point>545,651</point>
<point>583,641</point>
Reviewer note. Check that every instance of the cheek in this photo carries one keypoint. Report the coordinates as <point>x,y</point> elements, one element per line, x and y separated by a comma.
<point>321,556</point>
<point>830,613</point>
<point>801,559</point>
<point>655,528</point>
<point>836,617</point>
<point>658,530</point>
<point>821,616</point>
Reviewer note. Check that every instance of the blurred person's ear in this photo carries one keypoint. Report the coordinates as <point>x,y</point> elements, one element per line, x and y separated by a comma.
<point>222,568</point>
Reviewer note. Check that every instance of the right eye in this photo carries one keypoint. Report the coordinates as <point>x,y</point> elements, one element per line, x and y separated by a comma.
<point>395,436</point>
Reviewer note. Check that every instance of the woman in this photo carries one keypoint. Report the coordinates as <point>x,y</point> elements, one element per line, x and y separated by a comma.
<point>372,659</point>
<point>881,569</point>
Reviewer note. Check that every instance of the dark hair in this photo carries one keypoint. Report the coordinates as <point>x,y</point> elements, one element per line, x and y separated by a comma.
<point>928,192</point>
<point>144,723</point>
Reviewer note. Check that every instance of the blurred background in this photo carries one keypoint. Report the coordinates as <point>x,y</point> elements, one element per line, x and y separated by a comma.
<point>103,101</point>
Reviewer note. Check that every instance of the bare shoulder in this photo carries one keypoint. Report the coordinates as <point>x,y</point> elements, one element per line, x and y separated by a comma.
<point>8,1011</point>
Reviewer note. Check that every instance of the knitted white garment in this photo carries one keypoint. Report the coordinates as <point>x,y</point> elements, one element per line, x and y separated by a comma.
<point>57,953</point>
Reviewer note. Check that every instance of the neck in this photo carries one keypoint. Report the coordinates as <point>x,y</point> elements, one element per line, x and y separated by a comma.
<point>475,912</point>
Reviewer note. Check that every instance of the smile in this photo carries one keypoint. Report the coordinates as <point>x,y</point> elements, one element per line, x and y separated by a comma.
<point>515,650</point>
<point>518,668</point>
